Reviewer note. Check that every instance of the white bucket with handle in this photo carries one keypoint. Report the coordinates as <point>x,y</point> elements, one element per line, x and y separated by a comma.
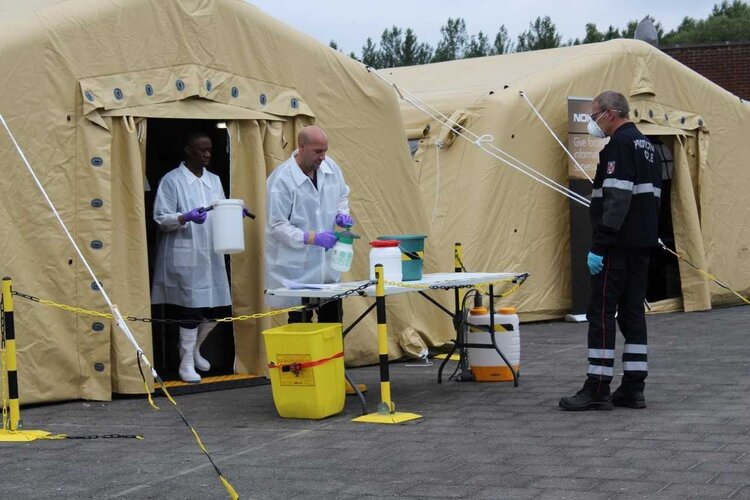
<point>227,227</point>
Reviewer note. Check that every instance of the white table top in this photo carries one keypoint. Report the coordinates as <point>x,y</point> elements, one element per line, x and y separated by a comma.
<point>436,279</point>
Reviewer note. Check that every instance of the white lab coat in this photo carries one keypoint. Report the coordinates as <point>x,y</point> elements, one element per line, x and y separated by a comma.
<point>295,206</point>
<point>187,271</point>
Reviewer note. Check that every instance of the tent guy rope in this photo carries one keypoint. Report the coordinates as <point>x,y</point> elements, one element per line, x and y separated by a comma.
<point>578,165</point>
<point>484,142</point>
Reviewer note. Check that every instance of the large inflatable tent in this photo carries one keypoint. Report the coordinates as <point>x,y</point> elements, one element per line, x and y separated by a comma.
<point>100,95</point>
<point>508,221</point>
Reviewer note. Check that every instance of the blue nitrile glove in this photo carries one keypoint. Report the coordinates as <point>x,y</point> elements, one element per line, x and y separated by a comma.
<point>595,262</point>
<point>325,239</point>
<point>197,215</point>
<point>344,220</point>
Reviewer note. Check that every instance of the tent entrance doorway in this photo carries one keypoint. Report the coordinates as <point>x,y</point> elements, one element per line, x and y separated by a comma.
<point>664,272</point>
<point>164,151</point>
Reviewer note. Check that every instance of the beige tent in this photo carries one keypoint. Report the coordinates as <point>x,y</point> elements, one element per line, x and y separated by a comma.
<point>507,221</point>
<point>82,80</point>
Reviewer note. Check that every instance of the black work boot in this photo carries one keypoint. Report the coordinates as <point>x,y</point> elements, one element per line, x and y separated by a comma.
<point>628,398</point>
<point>587,399</point>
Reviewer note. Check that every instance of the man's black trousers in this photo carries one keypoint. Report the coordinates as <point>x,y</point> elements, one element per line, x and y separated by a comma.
<point>620,287</point>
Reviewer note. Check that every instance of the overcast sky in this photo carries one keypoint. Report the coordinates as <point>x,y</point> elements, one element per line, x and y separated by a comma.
<point>350,22</point>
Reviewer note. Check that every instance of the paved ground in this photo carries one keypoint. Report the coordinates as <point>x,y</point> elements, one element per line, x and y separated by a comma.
<point>480,441</point>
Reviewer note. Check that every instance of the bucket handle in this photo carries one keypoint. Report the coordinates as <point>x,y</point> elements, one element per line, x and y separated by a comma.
<point>411,255</point>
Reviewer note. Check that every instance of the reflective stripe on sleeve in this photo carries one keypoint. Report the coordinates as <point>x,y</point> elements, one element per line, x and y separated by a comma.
<point>617,184</point>
<point>647,187</point>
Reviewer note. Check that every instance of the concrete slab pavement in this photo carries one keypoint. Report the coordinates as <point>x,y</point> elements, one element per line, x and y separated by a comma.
<point>476,440</point>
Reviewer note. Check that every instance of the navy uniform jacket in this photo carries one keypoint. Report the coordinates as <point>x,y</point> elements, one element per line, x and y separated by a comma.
<point>625,201</point>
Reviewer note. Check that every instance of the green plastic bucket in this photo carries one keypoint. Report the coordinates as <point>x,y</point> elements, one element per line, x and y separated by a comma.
<point>412,254</point>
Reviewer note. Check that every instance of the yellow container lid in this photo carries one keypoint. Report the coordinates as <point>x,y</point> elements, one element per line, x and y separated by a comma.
<point>478,311</point>
<point>506,310</point>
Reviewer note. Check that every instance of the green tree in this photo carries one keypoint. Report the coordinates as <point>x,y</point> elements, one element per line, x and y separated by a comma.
<point>396,48</point>
<point>727,22</point>
<point>479,46</point>
<point>333,45</point>
<point>453,44</point>
<point>370,54</point>
<point>413,52</point>
<point>542,34</point>
<point>391,48</point>
<point>612,33</point>
<point>592,34</point>
<point>503,44</point>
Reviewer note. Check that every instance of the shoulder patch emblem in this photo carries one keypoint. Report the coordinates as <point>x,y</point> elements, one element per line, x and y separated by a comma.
<point>610,168</point>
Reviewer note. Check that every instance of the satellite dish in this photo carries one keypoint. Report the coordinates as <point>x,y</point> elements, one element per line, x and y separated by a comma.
<point>646,31</point>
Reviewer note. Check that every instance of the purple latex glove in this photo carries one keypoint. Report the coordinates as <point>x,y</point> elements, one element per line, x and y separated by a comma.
<point>326,239</point>
<point>344,220</point>
<point>197,215</point>
<point>247,213</point>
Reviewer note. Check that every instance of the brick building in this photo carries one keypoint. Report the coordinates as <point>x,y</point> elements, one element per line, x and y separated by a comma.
<point>726,64</point>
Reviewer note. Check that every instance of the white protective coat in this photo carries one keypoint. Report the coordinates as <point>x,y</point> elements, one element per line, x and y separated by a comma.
<point>187,271</point>
<point>294,207</point>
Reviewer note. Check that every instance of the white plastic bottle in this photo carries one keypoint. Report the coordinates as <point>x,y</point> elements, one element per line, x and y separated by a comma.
<point>486,364</point>
<point>386,253</point>
<point>342,253</point>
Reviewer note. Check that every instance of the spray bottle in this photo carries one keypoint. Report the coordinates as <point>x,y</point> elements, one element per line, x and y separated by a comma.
<point>342,253</point>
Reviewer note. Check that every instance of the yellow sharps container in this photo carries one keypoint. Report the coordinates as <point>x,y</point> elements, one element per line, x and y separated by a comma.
<point>306,367</point>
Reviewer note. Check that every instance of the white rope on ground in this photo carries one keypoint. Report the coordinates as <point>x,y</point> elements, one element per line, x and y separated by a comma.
<point>479,141</point>
<point>526,98</point>
<point>118,318</point>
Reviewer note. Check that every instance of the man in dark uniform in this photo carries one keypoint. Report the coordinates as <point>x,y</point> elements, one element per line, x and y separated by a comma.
<point>624,218</point>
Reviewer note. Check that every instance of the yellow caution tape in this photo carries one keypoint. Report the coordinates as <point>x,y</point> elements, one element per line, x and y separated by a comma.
<point>99,314</point>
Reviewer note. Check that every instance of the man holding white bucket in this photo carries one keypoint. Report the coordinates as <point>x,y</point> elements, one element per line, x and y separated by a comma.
<point>306,198</point>
<point>188,275</point>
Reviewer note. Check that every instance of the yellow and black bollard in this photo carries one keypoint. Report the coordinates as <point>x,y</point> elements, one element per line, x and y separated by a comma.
<point>386,413</point>
<point>458,266</point>
<point>10,430</point>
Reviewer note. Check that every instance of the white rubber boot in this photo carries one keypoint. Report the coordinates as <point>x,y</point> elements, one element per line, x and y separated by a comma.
<point>202,363</point>
<point>188,336</point>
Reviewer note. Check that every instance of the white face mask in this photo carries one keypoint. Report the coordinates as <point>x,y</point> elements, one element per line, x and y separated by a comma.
<point>593,129</point>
